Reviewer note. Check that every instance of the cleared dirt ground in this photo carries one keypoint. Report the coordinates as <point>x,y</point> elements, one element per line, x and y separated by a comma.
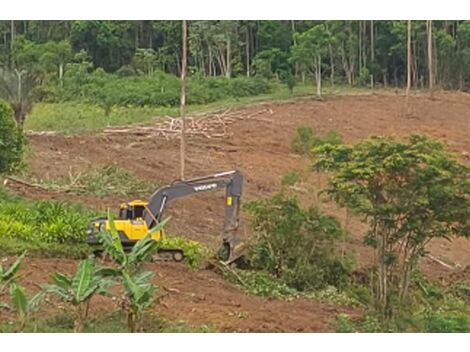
<point>260,148</point>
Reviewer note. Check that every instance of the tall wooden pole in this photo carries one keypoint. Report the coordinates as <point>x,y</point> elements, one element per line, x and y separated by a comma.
<point>430,63</point>
<point>408,60</point>
<point>184,59</point>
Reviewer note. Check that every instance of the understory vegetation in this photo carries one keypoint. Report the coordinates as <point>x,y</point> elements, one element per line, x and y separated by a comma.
<point>101,182</point>
<point>45,228</point>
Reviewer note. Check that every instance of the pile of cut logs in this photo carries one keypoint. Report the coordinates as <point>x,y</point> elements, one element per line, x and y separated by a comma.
<point>208,126</point>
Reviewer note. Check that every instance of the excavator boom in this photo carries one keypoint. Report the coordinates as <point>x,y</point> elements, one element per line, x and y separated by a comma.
<point>231,181</point>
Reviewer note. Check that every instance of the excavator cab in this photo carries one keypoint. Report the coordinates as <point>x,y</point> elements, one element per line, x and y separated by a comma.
<point>132,210</point>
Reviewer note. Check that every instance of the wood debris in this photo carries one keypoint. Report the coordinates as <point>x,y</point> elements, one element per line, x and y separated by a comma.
<point>207,126</point>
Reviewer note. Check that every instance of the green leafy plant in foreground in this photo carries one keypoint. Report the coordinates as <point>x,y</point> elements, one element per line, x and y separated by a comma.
<point>138,289</point>
<point>9,275</point>
<point>77,290</point>
<point>24,306</point>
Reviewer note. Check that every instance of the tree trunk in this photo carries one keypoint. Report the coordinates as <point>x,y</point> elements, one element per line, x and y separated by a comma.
<point>372,51</point>
<point>61,74</point>
<point>430,61</point>
<point>228,72</point>
<point>131,321</point>
<point>183,100</point>
<point>332,65</point>
<point>318,75</point>
<point>12,33</point>
<point>408,60</point>
<point>247,51</point>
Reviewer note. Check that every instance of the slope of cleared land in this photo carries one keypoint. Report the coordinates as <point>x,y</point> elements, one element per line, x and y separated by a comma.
<point>260,148</point>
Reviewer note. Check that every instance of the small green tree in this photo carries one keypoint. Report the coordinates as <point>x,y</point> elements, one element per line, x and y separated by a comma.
<point>409,193</point>
<point>77,290</point>
<point>309,49</point>
<point>11,139</point>
<point>138,289</point>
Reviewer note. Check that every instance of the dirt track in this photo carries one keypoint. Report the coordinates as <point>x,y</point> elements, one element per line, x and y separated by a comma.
<point>260,148</point>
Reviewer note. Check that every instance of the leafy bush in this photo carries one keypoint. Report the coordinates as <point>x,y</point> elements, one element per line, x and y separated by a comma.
<point>264,284</point>
<point>42,222</point>
<point>11,140</point>
<point>194,252</point>
<point>157,89</point>
<point>306,139</point>
<point>445,321</point>
<point>297,245</point>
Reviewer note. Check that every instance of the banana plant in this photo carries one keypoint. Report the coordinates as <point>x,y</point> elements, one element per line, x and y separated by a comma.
<point>9,275</point>
<point>139,291</point>
<point>24,306</point>
<point>78,290</point>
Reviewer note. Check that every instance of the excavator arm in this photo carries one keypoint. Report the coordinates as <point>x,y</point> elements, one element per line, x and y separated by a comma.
<point>231,181</point>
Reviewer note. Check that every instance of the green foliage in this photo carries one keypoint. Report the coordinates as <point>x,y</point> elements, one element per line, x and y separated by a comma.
<point>101,182</point>
<point>306,139</point>
<point>138,289</point>
<point>262,284</point>
<point>194,252</point>
<point>113,322</point>
<point>9,275</point>
<point>77,290</point>
<point>11,140</point>
<point>43,221</point>
<point>37,248</point>
<point>24,306</point>
<point>156,89</point>
<point>290,178</point>
<point>296,245</point>
<point>447,322</point>
<point>409,192</point>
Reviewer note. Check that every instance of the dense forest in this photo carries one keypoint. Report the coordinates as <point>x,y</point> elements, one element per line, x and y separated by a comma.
<point>94,60</point>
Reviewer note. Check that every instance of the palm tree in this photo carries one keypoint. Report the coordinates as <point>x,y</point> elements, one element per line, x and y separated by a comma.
<point>16,87</point>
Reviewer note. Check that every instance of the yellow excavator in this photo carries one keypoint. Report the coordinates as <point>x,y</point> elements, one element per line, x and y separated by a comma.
<point>137,217</point>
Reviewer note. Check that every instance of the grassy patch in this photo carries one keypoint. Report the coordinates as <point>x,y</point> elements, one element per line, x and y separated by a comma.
<point>107,323</point>
<point>73,117</point>
<point>101,182</point>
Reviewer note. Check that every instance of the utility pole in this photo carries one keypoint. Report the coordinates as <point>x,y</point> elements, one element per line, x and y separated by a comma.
<point>184,61</point>
<point>408,60</point>
<point>372,53</point>
<point>430,63</point>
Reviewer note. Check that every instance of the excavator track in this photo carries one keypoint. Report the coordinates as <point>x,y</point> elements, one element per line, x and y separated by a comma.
<point>168,255</point>
<point>163,255</point>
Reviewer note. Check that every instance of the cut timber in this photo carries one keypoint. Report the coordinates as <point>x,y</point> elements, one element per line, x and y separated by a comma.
<point>22,182</point>
<point>436,260</point>
<point>209,125</point>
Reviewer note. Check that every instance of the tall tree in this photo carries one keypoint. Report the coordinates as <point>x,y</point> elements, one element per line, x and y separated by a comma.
<point>184,62</point>
<point>430,61</point>
<point>408,59</point>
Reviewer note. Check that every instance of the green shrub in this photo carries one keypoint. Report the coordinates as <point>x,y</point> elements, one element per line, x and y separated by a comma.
<point>306,139</point>
<point>159,89</point>
<point>194,252</point>
<point>264,284</point>
<point>297,245</point>
<point>448,322</point>
<point>43,221</point>
<point>11,139</point>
